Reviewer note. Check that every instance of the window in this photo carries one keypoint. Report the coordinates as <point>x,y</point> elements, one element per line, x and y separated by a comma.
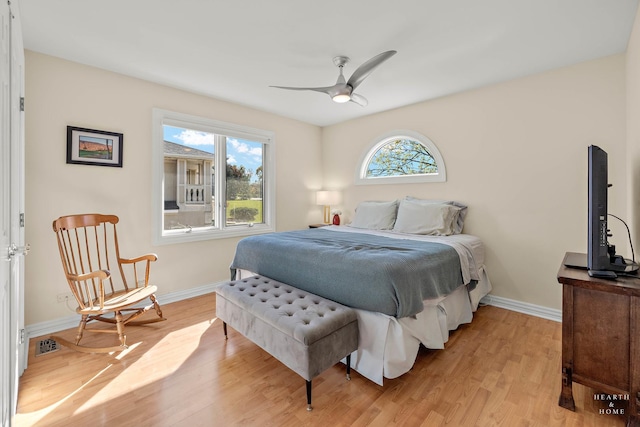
<point>211,179</point>
<point>401,157</point>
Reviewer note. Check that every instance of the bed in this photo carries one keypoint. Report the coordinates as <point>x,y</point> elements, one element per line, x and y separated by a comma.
<point>404,266</point>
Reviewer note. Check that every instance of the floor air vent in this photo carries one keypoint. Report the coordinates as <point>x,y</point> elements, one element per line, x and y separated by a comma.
<point>46,346</point>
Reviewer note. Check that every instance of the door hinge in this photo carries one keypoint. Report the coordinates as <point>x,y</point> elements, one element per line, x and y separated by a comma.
<point>23,336</point>
<point>22,103</point>
<point>22,219</point>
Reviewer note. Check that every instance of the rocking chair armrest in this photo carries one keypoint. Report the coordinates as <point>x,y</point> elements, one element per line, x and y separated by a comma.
<point>146,257</point>
<point>97,274</point>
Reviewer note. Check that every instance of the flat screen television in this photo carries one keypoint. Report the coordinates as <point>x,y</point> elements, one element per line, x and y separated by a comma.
<point>602,260</point>
<point>598,260</point>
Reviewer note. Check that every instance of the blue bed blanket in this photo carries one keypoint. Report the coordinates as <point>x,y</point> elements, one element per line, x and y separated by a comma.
<point>375,273</point>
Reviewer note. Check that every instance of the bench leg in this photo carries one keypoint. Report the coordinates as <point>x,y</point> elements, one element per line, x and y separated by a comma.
<point>309,396</point>
<point>224,327</point>
<point>349,367</point>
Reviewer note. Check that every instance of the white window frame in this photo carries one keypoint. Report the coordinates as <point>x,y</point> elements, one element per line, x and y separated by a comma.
<point>365,159</point>
<point>162,117</point>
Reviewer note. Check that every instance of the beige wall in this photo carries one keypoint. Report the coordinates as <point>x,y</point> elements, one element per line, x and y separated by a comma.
<point>516,153</point>
<point>633,129</point>
<point>61,93</point>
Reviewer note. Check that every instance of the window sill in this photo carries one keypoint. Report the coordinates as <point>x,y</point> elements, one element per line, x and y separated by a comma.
<point>194,235</point>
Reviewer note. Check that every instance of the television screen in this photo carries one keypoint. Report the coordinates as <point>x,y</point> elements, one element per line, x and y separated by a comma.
<point>598,246</point>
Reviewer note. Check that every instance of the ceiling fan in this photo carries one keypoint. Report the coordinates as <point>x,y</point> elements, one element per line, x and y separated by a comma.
<point>343,91</point>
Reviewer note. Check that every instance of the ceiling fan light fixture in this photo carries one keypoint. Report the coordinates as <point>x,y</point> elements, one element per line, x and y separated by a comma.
<point>342,91</point>
<point>341,98</point>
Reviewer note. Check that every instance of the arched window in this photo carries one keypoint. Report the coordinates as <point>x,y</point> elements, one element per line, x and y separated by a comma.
<point>401,157</point>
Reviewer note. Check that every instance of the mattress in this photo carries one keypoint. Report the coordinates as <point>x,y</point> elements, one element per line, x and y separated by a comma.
<point>371,271</point>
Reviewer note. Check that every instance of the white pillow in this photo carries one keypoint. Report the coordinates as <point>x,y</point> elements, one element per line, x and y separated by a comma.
<point>435,219</point>
<point>459,223</point>
<point>375,215</point>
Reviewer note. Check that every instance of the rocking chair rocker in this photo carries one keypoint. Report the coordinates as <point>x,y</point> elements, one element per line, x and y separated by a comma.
<point>88,247</point>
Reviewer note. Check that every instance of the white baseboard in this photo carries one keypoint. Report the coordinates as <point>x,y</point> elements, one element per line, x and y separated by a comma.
<point>51,326</point>
<point>523,307</point>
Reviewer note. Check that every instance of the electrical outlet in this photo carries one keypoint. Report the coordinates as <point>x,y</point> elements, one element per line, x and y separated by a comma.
<point>68,296</point>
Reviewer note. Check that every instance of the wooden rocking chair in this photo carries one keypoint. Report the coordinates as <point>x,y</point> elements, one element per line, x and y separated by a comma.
<point>88,247</point>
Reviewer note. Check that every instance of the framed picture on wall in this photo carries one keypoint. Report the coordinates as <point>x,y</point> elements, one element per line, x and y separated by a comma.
<point>94,147</point>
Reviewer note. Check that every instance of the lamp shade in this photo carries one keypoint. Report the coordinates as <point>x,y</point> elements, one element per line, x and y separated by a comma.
<point>327,198</point>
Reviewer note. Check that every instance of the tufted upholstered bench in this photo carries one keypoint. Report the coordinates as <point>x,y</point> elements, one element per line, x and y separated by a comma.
<point>305,332</point>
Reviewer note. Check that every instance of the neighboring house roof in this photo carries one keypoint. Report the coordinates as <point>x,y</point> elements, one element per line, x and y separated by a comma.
<point>177,150</point>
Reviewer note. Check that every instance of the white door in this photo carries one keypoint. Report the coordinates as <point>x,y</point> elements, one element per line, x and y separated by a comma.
<point>17,188</point>
<point>5,223</point>
<point>12,345</point>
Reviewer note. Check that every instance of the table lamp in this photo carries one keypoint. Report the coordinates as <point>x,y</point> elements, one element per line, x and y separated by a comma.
<point>327,198</point>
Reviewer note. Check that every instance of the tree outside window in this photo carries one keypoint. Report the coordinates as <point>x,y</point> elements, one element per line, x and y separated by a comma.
<point>401,157</point>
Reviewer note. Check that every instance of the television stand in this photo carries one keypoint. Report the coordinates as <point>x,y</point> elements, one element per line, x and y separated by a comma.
<point>601,339</point>
<point>603,274</point>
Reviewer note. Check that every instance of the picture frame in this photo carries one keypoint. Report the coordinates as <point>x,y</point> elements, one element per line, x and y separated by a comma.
<point>94,147</point>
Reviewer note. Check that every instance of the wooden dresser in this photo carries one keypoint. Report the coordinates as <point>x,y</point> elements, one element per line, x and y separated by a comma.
<point>601,339</point>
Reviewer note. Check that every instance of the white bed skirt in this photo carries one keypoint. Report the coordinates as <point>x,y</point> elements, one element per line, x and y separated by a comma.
<point>387,346</point>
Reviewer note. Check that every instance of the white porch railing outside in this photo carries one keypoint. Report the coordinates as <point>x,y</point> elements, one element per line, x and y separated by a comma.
<point>195,194</point>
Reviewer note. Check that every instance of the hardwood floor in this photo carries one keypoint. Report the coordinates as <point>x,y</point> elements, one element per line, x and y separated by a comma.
<point>502,369</point>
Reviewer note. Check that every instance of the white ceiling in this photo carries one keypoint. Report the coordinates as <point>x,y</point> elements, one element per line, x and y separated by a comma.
<point>235,49</point>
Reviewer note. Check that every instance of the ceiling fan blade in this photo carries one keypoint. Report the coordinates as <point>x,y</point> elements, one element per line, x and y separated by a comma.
<point>359,99</point>
<point>327,89</point>
<point>365,69</point>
